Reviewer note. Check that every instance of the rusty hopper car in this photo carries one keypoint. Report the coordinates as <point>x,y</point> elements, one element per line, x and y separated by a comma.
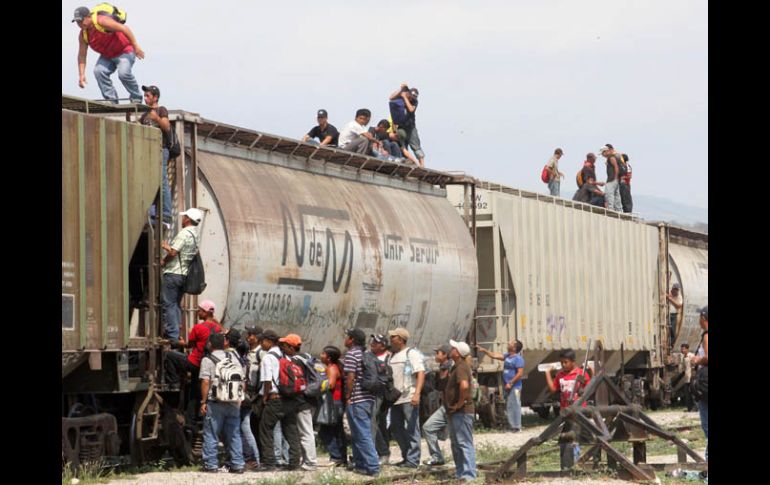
<point>295,237</point>
<point>555,273</point>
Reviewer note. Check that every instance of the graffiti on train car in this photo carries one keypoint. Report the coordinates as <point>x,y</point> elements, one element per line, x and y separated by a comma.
<point>420,250</point>
<point>311,238</point>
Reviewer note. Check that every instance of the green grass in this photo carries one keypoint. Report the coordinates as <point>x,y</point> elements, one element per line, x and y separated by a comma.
<point>87,473</point>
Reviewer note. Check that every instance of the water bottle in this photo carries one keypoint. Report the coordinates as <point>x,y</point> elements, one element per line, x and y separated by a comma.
<point>576,451</point>
<point>675,473</point>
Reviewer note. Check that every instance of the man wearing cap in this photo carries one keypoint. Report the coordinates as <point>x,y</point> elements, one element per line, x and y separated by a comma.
<point>437,422</point>
<point>177,363</point>
<point>459,408</point>
<point>513,371</point>
<point>176,265</point>
<point>291,346</point>
<point>408,377</point>
<point>275,408</point>
<point>379,347</point>
<point>360,405</point>
<point>675,305</point>
<point>326,133</point>
<point>409,135</point>
<point>612,187</point>
<point>117,47</point>
<point>554,180</point>
<point>158,118</point>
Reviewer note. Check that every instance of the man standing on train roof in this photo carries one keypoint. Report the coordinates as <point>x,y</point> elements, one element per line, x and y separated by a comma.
<point>176,265</point>
<point>118,49</point>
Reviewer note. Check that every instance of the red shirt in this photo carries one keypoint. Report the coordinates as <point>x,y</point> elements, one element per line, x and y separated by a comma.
<point>337,391</point>
<point>566,383</point>
<point>199,334</point>
<point>110,45</point>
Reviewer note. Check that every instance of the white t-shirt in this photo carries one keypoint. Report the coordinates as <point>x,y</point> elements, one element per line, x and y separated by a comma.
<point>402,382</point>
<point>269,370</point>
<point>678,300</point>
<point>350,132</point>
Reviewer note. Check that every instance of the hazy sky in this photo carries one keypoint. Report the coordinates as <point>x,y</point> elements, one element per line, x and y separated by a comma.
<point>502,83</point>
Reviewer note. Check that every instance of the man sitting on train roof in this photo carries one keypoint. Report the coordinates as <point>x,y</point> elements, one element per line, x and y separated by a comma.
<point>326,133</point>
<point>355,137</point>
<point>590,193</point>
<point>176,265</point>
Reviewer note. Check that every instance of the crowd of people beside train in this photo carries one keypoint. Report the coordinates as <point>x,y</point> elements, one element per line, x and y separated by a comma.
<point>269,402</point>
<point>617,188</point>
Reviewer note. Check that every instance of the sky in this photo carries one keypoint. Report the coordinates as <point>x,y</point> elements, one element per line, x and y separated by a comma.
<point>502,83</point>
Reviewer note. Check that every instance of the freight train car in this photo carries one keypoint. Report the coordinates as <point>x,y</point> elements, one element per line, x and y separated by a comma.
<point>296,237</point>
<point>555,273</point>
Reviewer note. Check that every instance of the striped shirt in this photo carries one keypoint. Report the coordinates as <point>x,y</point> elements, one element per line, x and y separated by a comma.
<point>354,362</point>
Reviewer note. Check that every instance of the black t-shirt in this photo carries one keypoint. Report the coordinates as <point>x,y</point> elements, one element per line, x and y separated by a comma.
<point>585,193</point>
<point>610,168</point>
<point>330,130</point>
<point>379,136</point>
<point>147,121</point>
<point>411,122</point>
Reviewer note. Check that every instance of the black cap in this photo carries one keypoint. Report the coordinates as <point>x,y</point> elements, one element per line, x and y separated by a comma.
<point>152,89</point>
<point>269,335</point>
<point>253,330</point>
<point>233,336</point>
<point>322,114</point>
<point>446,348</point>
<point>357,335</point>
<point>80,14</point>
<point>379,338</point>
<point>704,312</point>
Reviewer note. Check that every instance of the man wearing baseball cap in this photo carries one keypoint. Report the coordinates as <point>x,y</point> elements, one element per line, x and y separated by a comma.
<point>437,422</point>
<point>408,377</point>
<point>460,409</point>
<point>118,49</point>
<point>176,265</point>
<point>326,133</point>
<point>612,187</point>
<point>157,117</point>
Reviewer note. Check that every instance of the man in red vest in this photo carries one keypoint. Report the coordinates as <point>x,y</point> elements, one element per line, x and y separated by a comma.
<point>118,48</point>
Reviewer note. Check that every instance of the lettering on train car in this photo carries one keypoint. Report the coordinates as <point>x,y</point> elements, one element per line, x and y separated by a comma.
<point>320,256</point>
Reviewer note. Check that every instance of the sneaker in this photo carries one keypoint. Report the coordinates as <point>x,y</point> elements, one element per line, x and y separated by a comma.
<point>308,468</point>
<point>210,470</point>
<point>361,471</point>
<point>516,430</point>
<point>338,463</point>
<point>385,459</point>
<point>405,464</point>
<point>252,465</point>
<point>238,471</point>
<point>433,462</point>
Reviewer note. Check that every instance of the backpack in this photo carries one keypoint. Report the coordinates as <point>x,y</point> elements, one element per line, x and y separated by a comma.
<point>398,112</point>
<point>195,282</point>
<point>376,374</point>
<point>110,10</point>
<point>699,384</point>
<point>228,380</point>
<point>545,175</point>
<point>291,378</point>
<point>622,165</point>
<point>174,150</point>
<point>313,378</point>
<point>579,178</point>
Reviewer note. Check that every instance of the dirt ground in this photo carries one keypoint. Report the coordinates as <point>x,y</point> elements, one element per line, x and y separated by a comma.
<point>501,442</point>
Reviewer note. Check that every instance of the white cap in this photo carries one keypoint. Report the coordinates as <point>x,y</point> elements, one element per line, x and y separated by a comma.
<point>461,347</point>
<point>194,214</point>
<point>604,149</point>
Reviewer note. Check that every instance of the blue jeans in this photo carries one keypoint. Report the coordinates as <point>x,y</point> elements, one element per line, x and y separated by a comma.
<point>123,63</point>
<point>554,186</point>
<point>405,428</point>
<point>171,297</point>
<point>250,449</point>
<point>703,407</point>
<point>222,418</point>
<point>513,407</point>
<point>463,451</point>
<point>360,421</point>
<point>280,445</point>
<point>435,423</point>
<point>165,192</point>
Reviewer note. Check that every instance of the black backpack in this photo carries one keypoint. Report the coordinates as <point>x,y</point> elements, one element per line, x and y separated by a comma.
<point>699,384</point>
<point>195,282</point>
<point>376,374</point>
<point>312,377</point>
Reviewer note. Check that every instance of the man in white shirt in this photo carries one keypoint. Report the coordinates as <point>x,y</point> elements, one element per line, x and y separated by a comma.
<point>408,377</point>
<point>355,136</point>
<point>675,306</point>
